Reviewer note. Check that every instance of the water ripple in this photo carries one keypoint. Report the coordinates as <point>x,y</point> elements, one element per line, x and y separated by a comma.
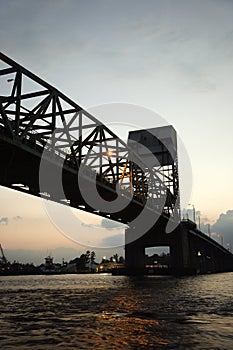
<point>116,312</point>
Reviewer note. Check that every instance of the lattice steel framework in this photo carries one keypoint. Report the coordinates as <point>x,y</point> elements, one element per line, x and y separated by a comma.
<point>158,148</point>
<point>35,114</point>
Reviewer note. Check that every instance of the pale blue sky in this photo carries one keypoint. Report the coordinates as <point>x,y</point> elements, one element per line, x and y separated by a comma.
<point>173,57</point>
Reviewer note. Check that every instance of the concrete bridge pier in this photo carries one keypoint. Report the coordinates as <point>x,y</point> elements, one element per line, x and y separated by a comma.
<point>183,253</point>
<point>134,254</point>
<point>181,262</point>
<point>135,259</point>
<point>179,250</point>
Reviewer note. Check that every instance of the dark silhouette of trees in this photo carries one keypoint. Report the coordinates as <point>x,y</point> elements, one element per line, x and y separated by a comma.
<point>93,255</point>
<point>121,260</point>
<point>88,256</point>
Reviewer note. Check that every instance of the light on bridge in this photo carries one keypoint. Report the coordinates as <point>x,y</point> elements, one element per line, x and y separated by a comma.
<point>109,153</point>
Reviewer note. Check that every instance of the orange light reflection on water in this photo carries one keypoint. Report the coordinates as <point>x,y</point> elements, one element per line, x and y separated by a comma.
<point>122,326</point>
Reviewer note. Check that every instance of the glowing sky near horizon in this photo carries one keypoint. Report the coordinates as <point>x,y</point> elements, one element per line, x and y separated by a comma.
<point>172,57</point>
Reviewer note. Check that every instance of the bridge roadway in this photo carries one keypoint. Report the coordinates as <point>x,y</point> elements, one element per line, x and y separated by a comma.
<point>25,129</point>
<point>21,171</point>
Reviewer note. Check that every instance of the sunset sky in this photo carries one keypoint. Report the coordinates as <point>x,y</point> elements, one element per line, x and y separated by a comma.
<point>174,58</point>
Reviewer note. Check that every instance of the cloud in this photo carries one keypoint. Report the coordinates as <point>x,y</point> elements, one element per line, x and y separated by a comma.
<point>4,220</point>
<point>17,217</point>
<point>111,225</point>
<point>114,241</point>
<point>224,226</point>
<point>106,224</point>
<point>88,225</point>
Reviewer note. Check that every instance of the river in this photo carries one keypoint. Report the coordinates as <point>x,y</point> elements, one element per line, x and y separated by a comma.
<point>116,312</point>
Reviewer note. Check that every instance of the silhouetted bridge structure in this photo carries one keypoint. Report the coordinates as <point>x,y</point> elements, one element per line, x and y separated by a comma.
<point>52,148</point>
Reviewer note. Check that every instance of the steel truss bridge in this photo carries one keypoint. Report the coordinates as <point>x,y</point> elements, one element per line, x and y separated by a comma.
<point>39,123</point>
<point>35,116</point>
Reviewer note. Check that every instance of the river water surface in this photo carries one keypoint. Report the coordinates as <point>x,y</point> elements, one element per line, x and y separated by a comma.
<point>116,312</point>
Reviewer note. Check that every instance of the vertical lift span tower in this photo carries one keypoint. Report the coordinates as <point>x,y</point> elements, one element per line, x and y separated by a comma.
<point>157,147</point>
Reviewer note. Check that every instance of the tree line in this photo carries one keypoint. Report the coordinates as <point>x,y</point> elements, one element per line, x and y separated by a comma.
<point>89,258</point>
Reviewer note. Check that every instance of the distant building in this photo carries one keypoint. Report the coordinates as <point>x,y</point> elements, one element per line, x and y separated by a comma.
<point>73,267</point>
<point>49,266</point>
<point>109,266</point>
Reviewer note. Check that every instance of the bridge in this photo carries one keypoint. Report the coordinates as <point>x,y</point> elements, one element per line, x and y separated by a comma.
<point>54,149</point>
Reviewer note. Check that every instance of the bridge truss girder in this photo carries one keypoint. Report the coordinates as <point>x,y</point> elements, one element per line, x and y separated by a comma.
<point>38,116</point>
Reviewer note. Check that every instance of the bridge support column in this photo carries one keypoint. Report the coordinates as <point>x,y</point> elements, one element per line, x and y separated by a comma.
<point>134,256</point>
<point>181,263</point>
<point>134,259</point>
